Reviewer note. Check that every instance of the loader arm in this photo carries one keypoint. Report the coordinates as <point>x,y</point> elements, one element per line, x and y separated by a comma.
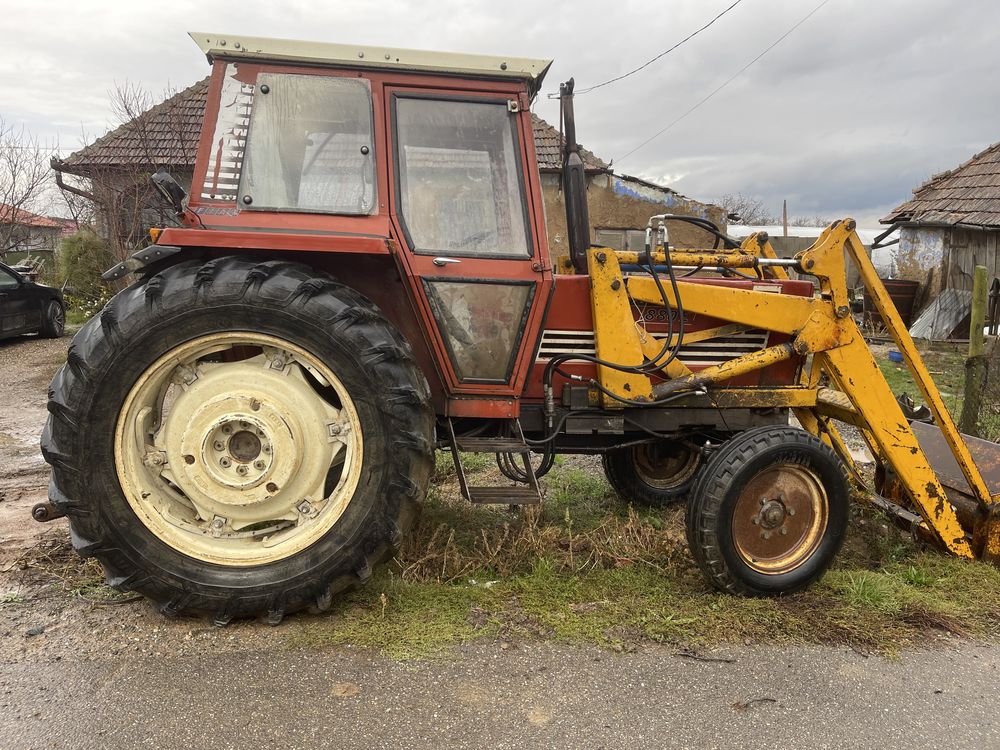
<point>823,334</point>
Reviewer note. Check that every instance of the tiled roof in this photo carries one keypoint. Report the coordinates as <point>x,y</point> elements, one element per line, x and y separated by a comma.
<point>20,217</point>
<point>164,136</point>
<point>167,136</point>
<point>968,194</point>
<point>548,148</point>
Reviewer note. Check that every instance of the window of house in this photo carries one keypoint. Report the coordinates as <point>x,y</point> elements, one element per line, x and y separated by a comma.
<point>460,181</point>
<point>310,146</point>
<point>621,239</point>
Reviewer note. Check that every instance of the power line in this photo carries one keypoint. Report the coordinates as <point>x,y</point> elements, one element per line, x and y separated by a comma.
<point>662,54</point>
<point>729,80</point>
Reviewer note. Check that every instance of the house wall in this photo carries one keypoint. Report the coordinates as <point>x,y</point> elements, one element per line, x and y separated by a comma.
<point>619,203</point>
<point>945,257</point>
<point>964,250</point>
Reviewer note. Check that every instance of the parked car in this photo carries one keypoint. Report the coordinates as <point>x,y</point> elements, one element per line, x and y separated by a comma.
<point>29,307</point>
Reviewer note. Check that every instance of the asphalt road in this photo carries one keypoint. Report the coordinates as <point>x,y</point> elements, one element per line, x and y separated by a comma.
<point>526,696</point>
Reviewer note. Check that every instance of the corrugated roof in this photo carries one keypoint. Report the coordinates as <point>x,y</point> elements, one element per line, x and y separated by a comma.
<point>167,136</point>
<point>968,194</point>
<point>943,316</point>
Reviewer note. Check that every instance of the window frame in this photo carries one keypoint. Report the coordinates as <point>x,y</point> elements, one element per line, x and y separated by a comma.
<point>426,282</point>
<point>397,170</point>
<point>373,155</point>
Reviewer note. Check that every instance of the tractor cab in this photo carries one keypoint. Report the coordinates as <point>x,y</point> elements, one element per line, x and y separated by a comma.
<point>423,158</point>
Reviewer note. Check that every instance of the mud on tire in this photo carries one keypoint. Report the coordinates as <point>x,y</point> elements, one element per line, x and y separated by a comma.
<point>287,301</point>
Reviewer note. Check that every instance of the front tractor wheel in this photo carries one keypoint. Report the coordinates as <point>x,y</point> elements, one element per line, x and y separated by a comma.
<point>769,512</point>
<point>655,474</point>
<point>255,437</point>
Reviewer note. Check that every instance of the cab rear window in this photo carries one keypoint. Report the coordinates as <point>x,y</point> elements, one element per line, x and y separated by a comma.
<point>310,146</point>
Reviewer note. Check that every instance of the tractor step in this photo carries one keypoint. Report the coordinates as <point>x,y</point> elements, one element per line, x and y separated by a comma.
<point>491,445</point>
<point>501,495</point>
<point>512,495</point>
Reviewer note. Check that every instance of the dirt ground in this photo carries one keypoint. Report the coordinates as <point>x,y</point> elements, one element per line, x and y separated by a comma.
<point>27,365</point>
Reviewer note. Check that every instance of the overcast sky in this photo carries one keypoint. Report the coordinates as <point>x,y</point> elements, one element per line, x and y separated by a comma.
<point>860,104</point>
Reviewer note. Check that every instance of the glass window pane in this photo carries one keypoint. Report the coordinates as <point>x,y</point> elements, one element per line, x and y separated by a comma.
<point>460,178</point>
<point>310,146</point>
<point>481,323</point>
<point>610,238</point>
<point>636,239</point>
<point>7,280</point>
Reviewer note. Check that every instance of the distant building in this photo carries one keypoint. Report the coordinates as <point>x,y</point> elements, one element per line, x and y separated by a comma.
<point>952,224</point>
<point>23,233</point>
<point>166,136</point>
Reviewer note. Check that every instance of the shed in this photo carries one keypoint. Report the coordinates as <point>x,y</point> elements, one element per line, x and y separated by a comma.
<point>952,224</point>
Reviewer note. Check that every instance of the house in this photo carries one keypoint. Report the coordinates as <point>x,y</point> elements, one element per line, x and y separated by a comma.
<point>23,233</point>
<point>952,224</point>
<point>117,165</point>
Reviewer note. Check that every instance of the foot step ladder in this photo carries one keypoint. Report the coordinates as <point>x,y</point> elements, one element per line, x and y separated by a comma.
<point>500,495</point>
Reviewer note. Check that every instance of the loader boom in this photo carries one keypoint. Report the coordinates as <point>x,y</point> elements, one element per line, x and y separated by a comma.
<point>821,328</point>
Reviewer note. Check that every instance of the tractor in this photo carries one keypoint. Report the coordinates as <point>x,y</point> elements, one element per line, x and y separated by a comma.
<point>360,276</point>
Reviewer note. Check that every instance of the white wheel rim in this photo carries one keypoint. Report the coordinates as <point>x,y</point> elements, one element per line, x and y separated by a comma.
<point>238,449</point>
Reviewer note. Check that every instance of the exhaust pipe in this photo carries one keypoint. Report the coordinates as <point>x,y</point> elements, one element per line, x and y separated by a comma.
<point>574,184</point>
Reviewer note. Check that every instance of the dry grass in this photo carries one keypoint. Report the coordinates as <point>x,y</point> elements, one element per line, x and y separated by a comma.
<point>587,568</point>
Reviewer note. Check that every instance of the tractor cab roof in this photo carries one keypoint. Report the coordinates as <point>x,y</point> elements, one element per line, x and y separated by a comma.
<point>238,47</point>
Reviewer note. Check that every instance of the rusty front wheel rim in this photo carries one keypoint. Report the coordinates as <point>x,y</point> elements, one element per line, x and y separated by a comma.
<point>664,473</point>
<point>780,518</point>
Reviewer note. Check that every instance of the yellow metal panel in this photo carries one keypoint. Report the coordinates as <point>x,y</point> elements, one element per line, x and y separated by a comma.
<point>856,373</point>
<point>616,338</point>
<point>784,313</point>
<point>904,342</point>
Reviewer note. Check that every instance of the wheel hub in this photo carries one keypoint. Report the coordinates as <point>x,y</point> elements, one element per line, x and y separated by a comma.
<point>260,454</point>
<point>779,518</point>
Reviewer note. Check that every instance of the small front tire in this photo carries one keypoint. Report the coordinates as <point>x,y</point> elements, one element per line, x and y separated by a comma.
<point>769,513</point>
<point>654,474</point>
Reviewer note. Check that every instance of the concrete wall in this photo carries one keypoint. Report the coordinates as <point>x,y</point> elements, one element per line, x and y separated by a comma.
<point>620,203</point>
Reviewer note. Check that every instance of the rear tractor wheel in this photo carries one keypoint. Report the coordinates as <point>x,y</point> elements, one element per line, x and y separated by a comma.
<point>769,513</point>
<point>256,438</point>
<point>655,474</point>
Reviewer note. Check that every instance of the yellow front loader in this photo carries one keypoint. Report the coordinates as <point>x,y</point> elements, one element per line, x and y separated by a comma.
<point>840,380</point>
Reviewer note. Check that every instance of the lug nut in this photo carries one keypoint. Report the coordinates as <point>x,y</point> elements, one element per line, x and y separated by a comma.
<point>218,445</point>
<point>227,429</point>
<point>763,501</point>
<point>266,448</point>
<point>790,511</point>
<point>765,535</point>
<point>258,464</point>
<point>255,405</point>
<point>224,462</point>
<point>241,470</point>
<point>784,531</point>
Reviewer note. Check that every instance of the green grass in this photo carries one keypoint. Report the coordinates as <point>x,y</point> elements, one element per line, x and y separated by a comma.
<point>586,568</point>
<point>589,570</point>
<point>945,362</point>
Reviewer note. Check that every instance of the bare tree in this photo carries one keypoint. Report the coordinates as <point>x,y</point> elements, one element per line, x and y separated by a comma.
<point>119,192</point>
<point>746,209</point>
<point>807,221</point>
<point>24,179</point>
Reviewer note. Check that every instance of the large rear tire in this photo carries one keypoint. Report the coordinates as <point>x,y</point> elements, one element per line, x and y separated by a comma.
<point>769,513</point>
<point>236,438</point>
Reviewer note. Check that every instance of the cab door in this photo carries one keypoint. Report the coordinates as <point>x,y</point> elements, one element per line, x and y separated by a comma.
<point>467,207</point>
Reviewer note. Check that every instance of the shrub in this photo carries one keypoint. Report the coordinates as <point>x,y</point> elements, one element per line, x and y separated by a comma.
<point>83,257</point>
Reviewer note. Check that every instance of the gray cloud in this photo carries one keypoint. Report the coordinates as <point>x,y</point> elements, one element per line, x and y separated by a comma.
<point>853,110</point>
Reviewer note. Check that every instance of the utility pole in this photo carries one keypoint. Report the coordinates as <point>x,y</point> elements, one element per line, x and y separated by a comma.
<point>784,216</point>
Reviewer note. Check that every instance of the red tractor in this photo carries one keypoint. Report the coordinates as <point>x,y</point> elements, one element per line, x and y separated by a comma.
<point>361,276</point>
